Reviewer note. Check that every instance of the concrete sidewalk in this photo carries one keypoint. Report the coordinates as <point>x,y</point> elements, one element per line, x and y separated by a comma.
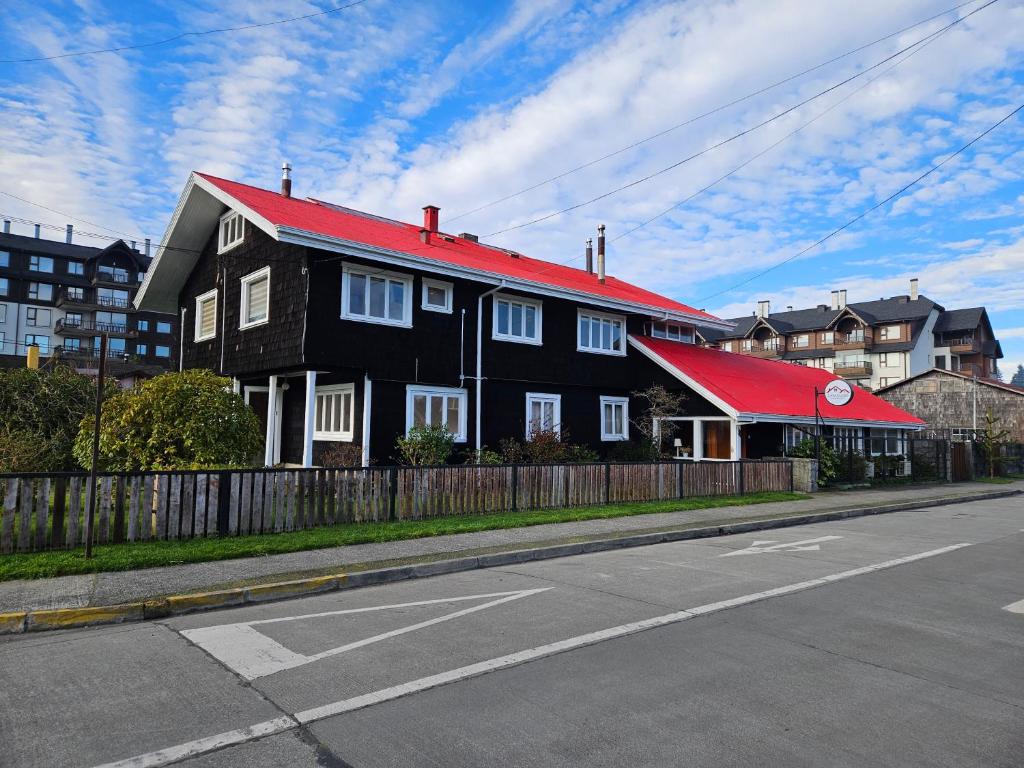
<point>119,587</point>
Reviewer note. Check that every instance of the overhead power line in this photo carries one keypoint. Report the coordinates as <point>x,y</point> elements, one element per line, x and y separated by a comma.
<point>735,136</point>
<point>865,212</point>
<point>182,36</point>
<point>710,112</point>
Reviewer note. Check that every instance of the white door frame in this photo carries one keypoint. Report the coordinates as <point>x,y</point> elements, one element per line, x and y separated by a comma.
<point>277,416</point>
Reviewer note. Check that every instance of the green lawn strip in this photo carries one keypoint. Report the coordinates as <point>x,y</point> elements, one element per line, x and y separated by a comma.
<point>122,557</point>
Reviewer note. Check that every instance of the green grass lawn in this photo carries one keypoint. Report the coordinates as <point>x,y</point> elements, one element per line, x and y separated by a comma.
<point>122,557</point>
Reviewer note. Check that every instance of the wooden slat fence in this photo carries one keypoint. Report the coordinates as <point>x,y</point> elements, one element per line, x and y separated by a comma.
<point>41,512</point>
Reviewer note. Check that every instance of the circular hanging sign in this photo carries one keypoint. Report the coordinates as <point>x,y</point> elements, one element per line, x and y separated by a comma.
<point>838,392</point>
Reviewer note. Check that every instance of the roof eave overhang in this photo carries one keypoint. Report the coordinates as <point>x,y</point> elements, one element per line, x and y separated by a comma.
<point>402,259</point>
<point>847,312</point>
<point>830,420</point>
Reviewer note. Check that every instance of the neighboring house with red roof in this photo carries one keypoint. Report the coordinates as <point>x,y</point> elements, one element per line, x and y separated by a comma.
<point>956,403</point>
<point>344,327</point>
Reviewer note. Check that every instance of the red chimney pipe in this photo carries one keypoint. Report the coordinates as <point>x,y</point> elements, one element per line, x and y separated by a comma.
<point>431,213</point>
<point>286,179</point>
<point>600,254</point>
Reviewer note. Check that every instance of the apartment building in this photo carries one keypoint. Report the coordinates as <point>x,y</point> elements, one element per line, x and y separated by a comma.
<point>61,296</point>
<point>873,344</point>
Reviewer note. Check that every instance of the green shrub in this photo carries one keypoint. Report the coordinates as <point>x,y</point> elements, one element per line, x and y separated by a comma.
<point>426,446</point>
<point>342,455</point>
<point>187,420</point>
<point>828,466</point>
<point>545,446</point>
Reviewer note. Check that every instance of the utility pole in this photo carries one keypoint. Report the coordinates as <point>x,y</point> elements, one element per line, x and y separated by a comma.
<point>91,512</point>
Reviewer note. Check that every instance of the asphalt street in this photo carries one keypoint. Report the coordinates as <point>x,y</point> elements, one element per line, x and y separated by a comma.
<point>893,640</point>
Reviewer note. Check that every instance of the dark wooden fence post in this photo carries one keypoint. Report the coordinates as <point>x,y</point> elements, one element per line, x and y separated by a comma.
<point>792,479</point>
<point>515,487</point>
<point>57,535</point>
<point>392,492</point>
<point>679,472</point>
<point>223,502</point>
<point>607,483</point>
<point>740,485</point>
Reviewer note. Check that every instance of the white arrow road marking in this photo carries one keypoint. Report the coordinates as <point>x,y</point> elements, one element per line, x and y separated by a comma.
<point>252,654</point>
<point>1017,607</point>
<point>219,741</point>
<point>761,547</point>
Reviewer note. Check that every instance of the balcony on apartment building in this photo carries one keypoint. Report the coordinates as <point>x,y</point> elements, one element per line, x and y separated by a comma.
<point>852,368</point>
<point>78,299</point>
<point>115,277</point>
<point>90,353</point>
<point>65,327</point>
<point>963,345</point>
<point>859,338</point>
<point>771,347</point>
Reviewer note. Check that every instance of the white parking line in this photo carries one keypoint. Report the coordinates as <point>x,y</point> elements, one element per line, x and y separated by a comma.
<point>210,743</point>
<point>1017,607</point>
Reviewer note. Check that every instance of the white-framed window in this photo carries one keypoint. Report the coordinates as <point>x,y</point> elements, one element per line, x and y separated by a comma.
<point>889,333</point>
<point>40,292</point>
<point>828,337</point>
<point>206,315</point>
<point>430,406</point>
<point>255,298</point>
<point>37,317</point>
<point>335,412</point>
<point>801,340</point>
<point>40,264</point>
<point>890,359</point>
<point>543,413</point>
<point>614,418</point>
<point>374,296</point>
<point>672,332</point>
<point>76,268</point>
<point>746,345</point>
<point>727,346</point>
<point>963,434</point>
<point>232,231</point>
<point>793,436</point>
<point>846,437</point>
<point>603,334</point>
<point>437,296</point>
<point>517,319</point>
<point>34,339</point>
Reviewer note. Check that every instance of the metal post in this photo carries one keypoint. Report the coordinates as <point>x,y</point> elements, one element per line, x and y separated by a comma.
<point>91,512</point>
<point>817,430</point>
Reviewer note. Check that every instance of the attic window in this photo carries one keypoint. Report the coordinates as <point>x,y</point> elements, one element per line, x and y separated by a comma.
<point>672,332</point>
<point>232,231</point>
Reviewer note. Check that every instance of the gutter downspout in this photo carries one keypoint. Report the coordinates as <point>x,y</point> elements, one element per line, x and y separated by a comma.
<point>181,341</point>
<point>223,313</point>
<point>479,356</point>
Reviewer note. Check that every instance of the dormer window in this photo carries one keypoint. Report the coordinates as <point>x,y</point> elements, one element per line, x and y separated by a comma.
<point>232,231</point>
<point>672,332</point>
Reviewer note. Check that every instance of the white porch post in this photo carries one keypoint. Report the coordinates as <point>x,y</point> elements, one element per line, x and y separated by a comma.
<point>268,455</point>
<point>236,386</point>
<point>698,439</point>
<point>307,435</point>
<point>737,451</point>
<point>367,402</point>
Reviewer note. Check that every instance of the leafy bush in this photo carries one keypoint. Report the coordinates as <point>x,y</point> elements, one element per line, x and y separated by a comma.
<point>187,420</point>
<point>545,446</point>
<point>634,450</point>
<point>342,455</point>
<point>828,467</point>
<point>426,446</point>
<point>40,411</point>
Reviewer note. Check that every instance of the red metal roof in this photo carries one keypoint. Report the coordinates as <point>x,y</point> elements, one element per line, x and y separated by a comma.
<point>759,387</point>
<point>325,219</point>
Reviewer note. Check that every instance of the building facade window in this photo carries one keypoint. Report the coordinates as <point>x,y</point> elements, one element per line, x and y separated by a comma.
<point>40,292</point>
<point>4,286</point>
<point>517,319</point>
<point>335,413</point>
<point>112,297</point>
<point>72,345</point>
<point>206,315</point>
<point>40,264</point>
<point>5,259</point>
<point>255,298</point>
<point>74,294</point>
<point>614,418</point>
<point>161,351</point>
<point>746,345</point>
<point>232,231</point>
<point>543,413</point>
<point>436,406</point>
<point>163,327</point>
<point>112,274</point>
<point>35,339</point>
<point>112,322</point>
<point>801,340</point>
<point>672,332</point>
<point>727,346</point>
<point>887,441</point>
<point>889,333</point>
<point>437,296</point>
<point>36,317</point>
<point>3,313</point>
<point>847,438</point>
<point>372,296</point>
<point>76,268</point>
<point>604,334</point>
<point>828,337</point>
<point>141,349</point>
<point>143,325</point>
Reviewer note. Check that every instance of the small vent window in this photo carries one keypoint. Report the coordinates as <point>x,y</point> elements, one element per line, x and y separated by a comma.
<point>232,231</point>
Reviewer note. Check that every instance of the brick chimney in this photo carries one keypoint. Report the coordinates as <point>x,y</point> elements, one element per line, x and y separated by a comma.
<point>286,179</point>
<point>914,295</point>
<point>431,214</point>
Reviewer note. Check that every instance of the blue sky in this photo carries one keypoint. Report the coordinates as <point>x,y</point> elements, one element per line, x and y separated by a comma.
<point>390,105</point>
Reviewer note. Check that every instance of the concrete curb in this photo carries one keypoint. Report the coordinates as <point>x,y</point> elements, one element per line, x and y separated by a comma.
<point>175,605</point>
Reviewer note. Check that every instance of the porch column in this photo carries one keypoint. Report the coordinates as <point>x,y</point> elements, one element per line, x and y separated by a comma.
<point>268,454</point>
<point>367,402</point>
<point>236,386</point>
<point>737,447</point>
<point>698,439</point>
<point>307,435</point>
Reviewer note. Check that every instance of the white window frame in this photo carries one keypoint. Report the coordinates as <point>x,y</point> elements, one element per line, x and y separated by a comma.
<point>412,390</point>
<point>224,240</point>
<point>801,340</point>
<point>727,346</point>
<point>332,391</point>
<point>538,306</point>
<point>346,275</point>
<point>448,289</point>
<point>246,282</point>
<point>828,337</point>
<point>889,333</point>
<point>543,398</point>
<point>607,436</point>
<point>200,300</point>
<point>601,316</point>
<point>684,334</point>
